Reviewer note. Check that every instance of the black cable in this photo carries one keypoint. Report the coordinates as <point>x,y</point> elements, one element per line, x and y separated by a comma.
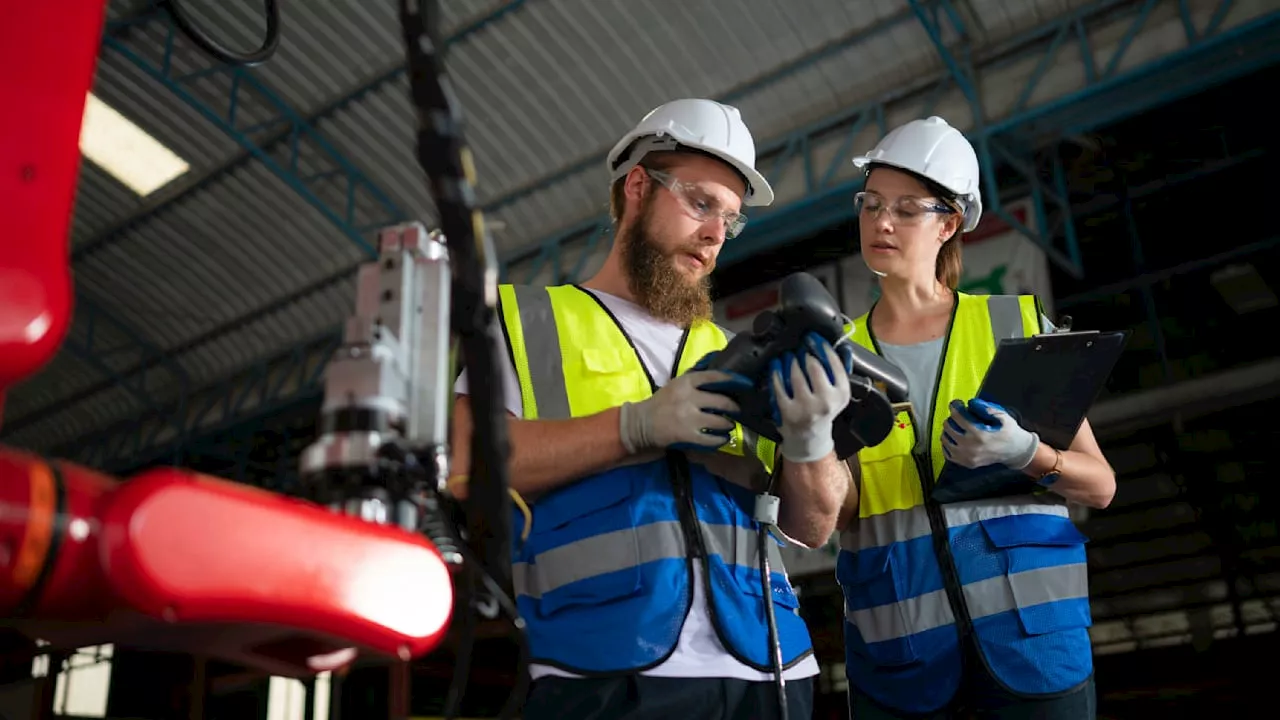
<point>462,662</point>
<point>516,698</point>
<point>775,647</point>
<point>270,42</point>
<point>447,162</point>
<point>766,585</point>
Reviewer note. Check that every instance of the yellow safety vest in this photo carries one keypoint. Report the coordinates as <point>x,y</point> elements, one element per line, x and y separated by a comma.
<point>604,579</point>
<point>589,365</point>
<point>918,577</point>
<point>890,480</point>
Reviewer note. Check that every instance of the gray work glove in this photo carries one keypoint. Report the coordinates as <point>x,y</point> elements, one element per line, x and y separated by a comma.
<point>686,413</point>
<point>810,389</point>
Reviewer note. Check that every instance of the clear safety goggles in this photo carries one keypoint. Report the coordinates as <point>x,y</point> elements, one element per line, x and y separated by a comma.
<point>700,204</point>
<point>903,211</point>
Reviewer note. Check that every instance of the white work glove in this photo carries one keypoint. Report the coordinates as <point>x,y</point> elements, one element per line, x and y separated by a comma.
<point>681,414</point>
<point>809,391</point>
<point>984,434</point>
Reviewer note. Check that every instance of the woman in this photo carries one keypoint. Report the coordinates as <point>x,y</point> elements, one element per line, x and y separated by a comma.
<point>975,607</point>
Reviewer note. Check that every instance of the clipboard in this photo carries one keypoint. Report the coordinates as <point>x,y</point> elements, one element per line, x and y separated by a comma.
<point>1047,383</point>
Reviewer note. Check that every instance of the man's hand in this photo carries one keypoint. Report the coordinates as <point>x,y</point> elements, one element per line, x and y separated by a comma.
<point>689,411</point>
<point>809,391</point>
<point>983,434</point>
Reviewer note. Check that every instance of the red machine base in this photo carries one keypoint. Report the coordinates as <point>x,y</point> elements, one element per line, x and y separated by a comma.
<point>173,560</point>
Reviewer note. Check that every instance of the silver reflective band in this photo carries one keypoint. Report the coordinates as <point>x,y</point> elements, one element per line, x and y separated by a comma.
<point>624,549</point>
<point>542,352</point>
<point>903,525</point>
<point>984,599</point>
<point>1006,317</point>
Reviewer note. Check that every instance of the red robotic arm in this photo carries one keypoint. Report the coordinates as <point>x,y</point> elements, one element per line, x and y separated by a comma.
<point>49,51</point>
<point>170,559</point>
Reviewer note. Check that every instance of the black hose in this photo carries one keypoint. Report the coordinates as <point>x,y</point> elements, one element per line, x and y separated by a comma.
<point>462,660</point>
<point>766,585</point>
<point>775,647</point>
<point>447,162</point>
<point>220,52</point>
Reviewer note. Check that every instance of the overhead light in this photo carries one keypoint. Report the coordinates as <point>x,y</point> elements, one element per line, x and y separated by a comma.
<point>112,142</point>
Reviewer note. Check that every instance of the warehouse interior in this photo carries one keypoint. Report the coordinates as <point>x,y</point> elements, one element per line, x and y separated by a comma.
<point>208,306</point>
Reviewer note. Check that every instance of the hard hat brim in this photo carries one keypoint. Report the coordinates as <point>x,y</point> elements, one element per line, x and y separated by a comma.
<point>759,192</point>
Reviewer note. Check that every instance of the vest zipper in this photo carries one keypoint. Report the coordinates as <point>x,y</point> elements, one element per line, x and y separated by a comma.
<point>681,480</point>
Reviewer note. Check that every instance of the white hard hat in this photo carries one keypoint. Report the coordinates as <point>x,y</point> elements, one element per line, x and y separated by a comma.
<point>699,124</point>
<point>933,149</point>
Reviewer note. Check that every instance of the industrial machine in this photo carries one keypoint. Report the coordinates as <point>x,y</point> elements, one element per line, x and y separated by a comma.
<point>174,560</point>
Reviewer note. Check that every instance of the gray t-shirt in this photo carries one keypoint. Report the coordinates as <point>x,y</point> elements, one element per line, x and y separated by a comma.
<point>919,362</point>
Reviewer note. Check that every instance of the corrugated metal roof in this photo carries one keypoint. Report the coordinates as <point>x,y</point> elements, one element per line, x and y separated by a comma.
<point>547,86</point>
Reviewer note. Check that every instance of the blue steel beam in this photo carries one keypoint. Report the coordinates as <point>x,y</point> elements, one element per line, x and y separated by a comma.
<point>826,204</point>
<point>957,56</point>
<point>265,389</point>
<point>1217,56</point>
<point>105,358</point>
<point>282,126</point>
<point>787,69</point>
<point>333,171</point>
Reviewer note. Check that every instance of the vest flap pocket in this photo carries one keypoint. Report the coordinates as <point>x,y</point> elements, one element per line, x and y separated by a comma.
<point>1049,618</point>
<point>580,499</point>
<point>584,545</point>
<point>1046,570</point>
<point>1052,599</point>
<point>871,563</point>
<point>877,627</point>
<point>783,594</point>
<point>1029,529</point>
<point>604,360</point>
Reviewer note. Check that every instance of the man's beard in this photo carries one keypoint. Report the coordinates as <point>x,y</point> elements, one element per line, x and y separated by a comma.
<point>656,282</point>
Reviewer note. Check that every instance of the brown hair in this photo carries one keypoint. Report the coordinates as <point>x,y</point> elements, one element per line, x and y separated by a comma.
<point>660,161</point>
<point>950,265</point>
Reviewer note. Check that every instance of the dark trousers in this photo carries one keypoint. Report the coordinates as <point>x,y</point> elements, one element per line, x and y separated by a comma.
<point>983,697</point>
<point>638,697</point>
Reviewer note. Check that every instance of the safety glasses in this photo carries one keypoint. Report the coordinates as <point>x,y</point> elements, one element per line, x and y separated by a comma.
<point>700,204</point>
<point>903,211</point>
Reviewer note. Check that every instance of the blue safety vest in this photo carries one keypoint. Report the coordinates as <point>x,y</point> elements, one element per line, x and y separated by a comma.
<point>918,577</point>
<point>604,578</point>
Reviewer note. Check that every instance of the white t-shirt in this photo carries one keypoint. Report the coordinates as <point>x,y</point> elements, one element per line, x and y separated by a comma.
<point>698,652</point>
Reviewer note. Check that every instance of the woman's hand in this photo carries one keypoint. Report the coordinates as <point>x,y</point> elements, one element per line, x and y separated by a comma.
<point>983,434</point>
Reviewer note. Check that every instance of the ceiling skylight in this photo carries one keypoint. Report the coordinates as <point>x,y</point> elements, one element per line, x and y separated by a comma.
<point>126,151</point>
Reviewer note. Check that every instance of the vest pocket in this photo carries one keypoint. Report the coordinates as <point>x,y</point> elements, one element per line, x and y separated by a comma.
<point>584,545</point>
<point>1047,574</point>
<point>746,570</point>
<point>874,613</point>
<point>610,373</point>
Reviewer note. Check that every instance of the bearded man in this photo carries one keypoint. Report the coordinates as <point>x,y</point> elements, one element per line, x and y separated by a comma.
<point>639,577</point>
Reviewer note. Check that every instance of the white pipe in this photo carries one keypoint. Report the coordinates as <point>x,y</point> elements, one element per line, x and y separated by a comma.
<point>1187,399</point>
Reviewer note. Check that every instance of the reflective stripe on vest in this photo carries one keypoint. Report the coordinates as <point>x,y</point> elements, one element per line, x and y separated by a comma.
<point>603,579</point>
<point>1019,562</point>
<point>613,552</point>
